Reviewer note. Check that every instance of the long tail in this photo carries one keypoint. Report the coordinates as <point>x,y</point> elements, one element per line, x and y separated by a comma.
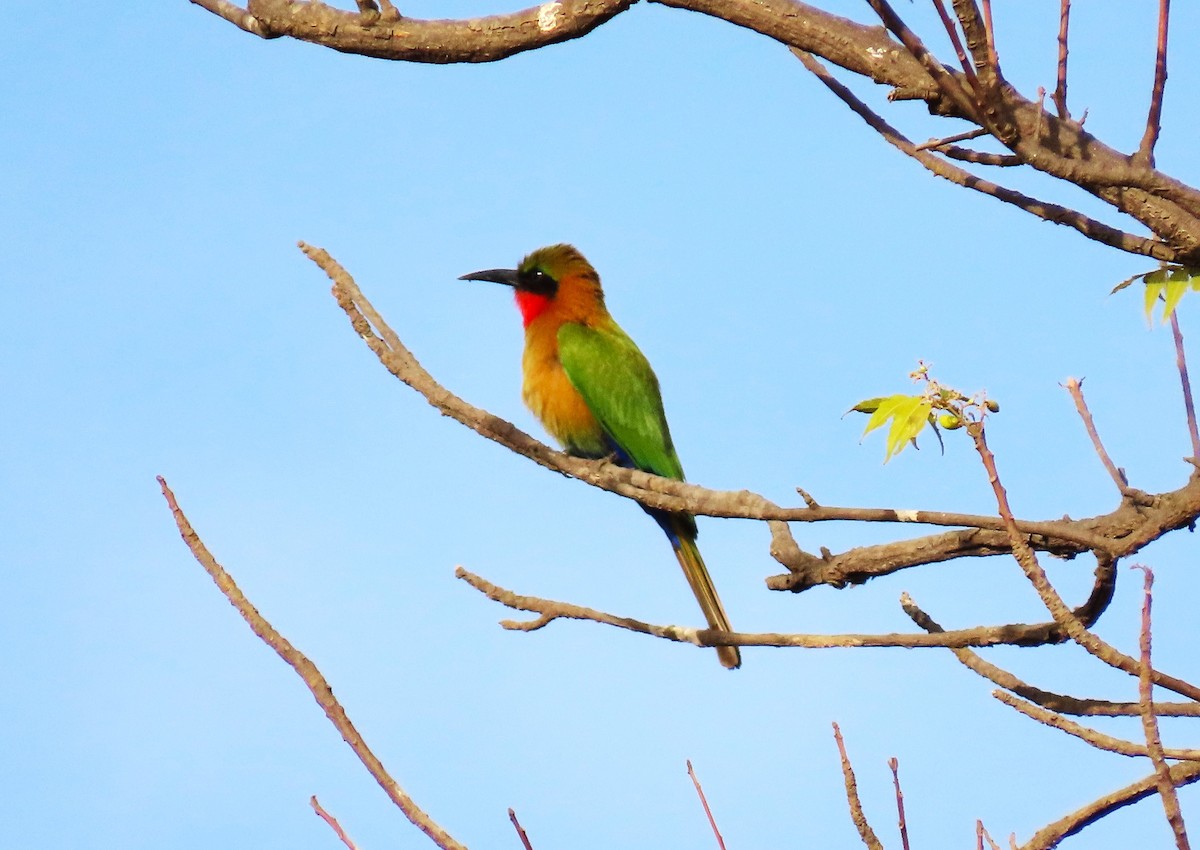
<point>706,594</point>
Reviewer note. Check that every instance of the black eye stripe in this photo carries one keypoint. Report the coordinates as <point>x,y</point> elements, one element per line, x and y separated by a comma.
<point>537,281</point>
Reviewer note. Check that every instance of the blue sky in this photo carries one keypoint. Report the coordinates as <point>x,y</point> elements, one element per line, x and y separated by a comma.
<point>775,261</point>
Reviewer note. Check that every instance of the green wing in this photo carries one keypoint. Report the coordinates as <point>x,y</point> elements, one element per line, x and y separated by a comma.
<point>621,390</point>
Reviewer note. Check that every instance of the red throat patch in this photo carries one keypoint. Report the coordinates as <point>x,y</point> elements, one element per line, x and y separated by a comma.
<point>531,305</point>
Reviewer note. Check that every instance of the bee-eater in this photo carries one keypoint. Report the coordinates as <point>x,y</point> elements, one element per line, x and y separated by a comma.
<point>596,394</point>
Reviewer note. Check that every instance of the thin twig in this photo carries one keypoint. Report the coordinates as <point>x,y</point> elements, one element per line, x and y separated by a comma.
<point>1181,364</point>
<point>1058,609</point>
<point>1060,87</point>
<point>952,31</point>
<point>1096,738</point>
<point>312,677</point>
<point>902,823</point>
<point>512,816</point>
<point>332,821</point>
<point>1075,388</point>
<point>1048,699</point>
<point>949,140</point>
<point>1000,160</point>
<point>856,810</point>
<point>712,822</point>
<point>981,833</point>
<point>1145,151</point>
<point>1154,747</point>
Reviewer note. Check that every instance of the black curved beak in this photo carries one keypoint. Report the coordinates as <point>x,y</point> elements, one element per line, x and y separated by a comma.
<point>506,276</point>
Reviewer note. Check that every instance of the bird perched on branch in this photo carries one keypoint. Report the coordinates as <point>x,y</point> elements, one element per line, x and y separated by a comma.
<point>596,394</point>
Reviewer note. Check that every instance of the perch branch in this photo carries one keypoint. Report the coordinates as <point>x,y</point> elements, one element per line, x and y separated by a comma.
<point>1120,533</point>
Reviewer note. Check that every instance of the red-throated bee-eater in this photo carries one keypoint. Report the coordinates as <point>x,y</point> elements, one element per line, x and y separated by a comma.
<point>596,394</point>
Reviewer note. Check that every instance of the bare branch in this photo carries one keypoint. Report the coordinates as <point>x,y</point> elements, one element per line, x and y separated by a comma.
<point>1145,151</point>
<point>1181,364</point>
<point>512,816</point>
<point>949,85</point>
<point>1075,388</point>
<point>311,676</point>
<point>332,821</point>
<point>1154,747</point>
<point>1018,634</point>
<point>856,810</point>
<point>389,36</point>
<point>1058,609</point>
<point>1090,227</point>
<point>948,140</point>
<point>902,822</point>
<point>704,802</point>
<point>1052,834</point>
<point>1097,739</point>
<point>1048,699</point>
<point>237,16</point>
<point>1000,160</point>
<point>1060,87</point>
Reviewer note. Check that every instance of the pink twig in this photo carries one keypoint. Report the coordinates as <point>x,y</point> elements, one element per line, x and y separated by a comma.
<point>1075,387</point>
<point>1189,406</point>
<point>1060,89</point>
<point>332,821</point>
<point>952,31</point>
<point>1154,118</point>
<point>895,766</point>
<point>704,802</point>
<point>512,816</point>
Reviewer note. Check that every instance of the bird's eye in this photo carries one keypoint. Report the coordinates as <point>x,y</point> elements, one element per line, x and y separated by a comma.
<point>536,280</point>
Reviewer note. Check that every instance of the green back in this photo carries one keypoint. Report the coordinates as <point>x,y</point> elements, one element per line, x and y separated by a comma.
<point>621,390</point>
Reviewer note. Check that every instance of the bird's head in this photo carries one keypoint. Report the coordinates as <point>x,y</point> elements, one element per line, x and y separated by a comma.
<point>557,274</point>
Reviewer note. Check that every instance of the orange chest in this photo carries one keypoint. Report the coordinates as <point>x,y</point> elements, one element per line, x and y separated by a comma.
<point>549,393</point>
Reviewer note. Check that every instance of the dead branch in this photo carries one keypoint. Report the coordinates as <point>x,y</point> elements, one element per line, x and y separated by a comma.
<point>712,822</point>
<point>1154,747</point>
<point>1096,738</point>
<point>549,610</point>
<point>865,832</point>
<point>311,676</point>
<point>1052,834</point>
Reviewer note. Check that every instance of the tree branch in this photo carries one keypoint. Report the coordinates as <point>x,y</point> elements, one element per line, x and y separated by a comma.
<point>549,610</point>
<point>311,676</point>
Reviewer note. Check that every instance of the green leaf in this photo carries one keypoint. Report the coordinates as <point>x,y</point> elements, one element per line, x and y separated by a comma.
<point>1177,284</point>
<point>1153,290</point>
<point>908,419</point>
<point>884,410</point>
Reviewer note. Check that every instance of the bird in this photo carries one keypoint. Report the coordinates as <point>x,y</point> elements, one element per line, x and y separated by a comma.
<point>594,391</point>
